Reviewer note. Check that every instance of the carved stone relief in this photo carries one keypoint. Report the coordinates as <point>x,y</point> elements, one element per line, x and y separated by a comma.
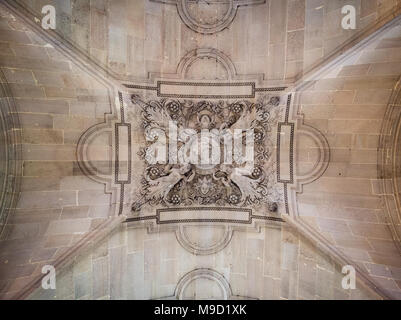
<point>202,203</point>
<point>217,183</point>
<point>208,16</point>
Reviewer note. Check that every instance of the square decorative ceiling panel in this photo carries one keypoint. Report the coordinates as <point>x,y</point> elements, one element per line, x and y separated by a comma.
<point>202,156</point>
<point>207,153</point>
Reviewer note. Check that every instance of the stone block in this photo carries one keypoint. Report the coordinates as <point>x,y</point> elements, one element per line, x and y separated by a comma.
<point>42,136</point>
<point>68,226</point>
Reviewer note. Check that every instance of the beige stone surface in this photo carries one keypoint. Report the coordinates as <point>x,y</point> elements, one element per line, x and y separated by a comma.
<point>61,207</point>
<point>276,264</point>
<point>350,212</point>
<point>132,38</point>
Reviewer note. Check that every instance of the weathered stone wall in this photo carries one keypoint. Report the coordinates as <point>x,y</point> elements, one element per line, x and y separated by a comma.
<point>348,105</point>
<point>10,153</point>
<point>133,38</point>
<point>277,263</point>
<point>56,103</point>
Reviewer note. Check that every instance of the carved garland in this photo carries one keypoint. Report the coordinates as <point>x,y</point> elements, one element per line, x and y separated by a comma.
<point>222,184</point>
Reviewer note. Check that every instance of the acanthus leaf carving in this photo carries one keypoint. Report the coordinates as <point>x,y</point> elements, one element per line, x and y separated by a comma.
<point>240,183</point>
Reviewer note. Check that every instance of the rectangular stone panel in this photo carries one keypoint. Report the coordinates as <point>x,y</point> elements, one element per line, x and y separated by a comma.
<point>284,163</point>
<point>206,90</point>
<point>203,215</point>
<point>123,153</point>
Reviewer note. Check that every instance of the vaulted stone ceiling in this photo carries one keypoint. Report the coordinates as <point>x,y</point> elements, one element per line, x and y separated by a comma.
<point>324,101</point>
<point>132,38</point>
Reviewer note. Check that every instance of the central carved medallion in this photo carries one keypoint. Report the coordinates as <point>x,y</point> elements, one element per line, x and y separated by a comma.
<point>208,153</point>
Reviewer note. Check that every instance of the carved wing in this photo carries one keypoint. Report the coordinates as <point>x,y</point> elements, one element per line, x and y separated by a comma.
<point>246,120</point>
<point>156,190</point>
<point>155,114</point>
<point>249,187</point>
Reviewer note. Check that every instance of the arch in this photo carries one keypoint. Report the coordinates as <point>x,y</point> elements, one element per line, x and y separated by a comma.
<point>201,53</point>
<point>11,168</point>
<point>389,170</point>
<point>203,274</point>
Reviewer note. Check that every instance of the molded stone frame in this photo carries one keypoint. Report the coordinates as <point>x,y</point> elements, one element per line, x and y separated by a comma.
<point>209,28</point>
<point>11,169</point>
<point>299,130</point>
<point>389,173</point>
<point>120,187</point>
<point>184,71</point>
<point>208,277</point>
